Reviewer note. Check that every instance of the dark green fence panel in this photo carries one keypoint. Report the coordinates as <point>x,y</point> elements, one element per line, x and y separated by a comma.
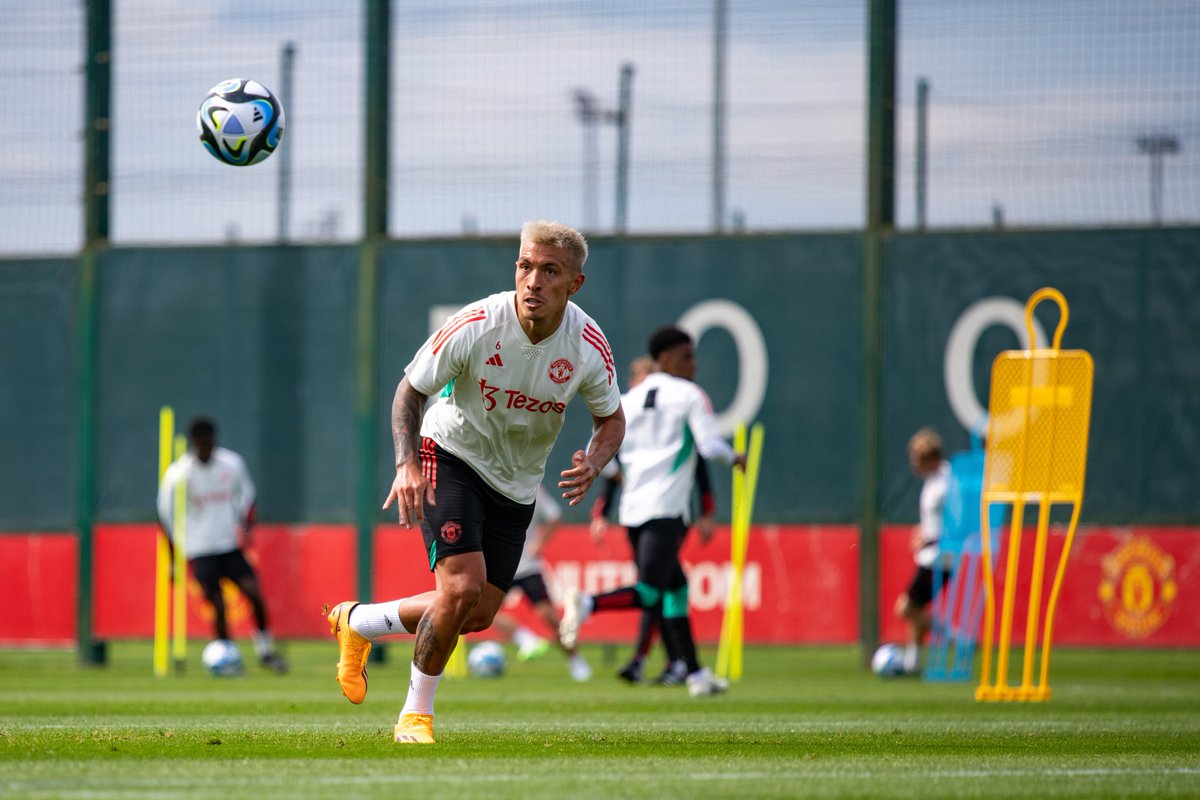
<point>262,339</point>
<point>1133,304</point>
<point>37,394</point>
<point>258,338</point>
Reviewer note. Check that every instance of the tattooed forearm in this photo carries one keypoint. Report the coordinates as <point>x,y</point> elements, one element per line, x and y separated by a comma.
<point>406,421</point>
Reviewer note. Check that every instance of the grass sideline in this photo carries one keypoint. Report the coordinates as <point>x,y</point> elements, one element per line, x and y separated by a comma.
<point>803,722</point>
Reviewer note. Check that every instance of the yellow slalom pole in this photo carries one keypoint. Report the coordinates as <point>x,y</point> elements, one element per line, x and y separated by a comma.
<point>750,487</point>
<point>745,484</point>
<point>733,595</point>
<point>179,640</point>
<point>456,666</point>
<point>162,561</point>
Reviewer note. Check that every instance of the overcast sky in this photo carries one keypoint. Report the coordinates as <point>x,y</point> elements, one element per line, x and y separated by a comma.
<point>1035,109</point>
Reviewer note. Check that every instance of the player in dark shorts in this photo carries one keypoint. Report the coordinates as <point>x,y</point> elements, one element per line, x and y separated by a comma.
<point>503,371</point>
<point>670,424</point>
<point>220,516</point>
<point>925,459</point>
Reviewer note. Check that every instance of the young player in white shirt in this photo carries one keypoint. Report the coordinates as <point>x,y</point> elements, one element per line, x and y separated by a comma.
<point>504,370</point>
<point>925,458</point>
<point>220,514</point>
<point>668,419</point>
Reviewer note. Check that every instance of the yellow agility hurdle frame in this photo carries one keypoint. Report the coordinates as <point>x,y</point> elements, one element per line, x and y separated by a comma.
<point>1039,414</point>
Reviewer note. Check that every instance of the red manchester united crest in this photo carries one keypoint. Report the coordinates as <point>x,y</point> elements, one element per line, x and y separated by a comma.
<point>451,531</point>
<point>560,370</point>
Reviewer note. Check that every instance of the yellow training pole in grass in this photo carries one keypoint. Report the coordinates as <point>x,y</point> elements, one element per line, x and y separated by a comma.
<point>733,596</point>
<point>179,640</point>
<point>456,666</point>
<point>1040,410</point>
<point>745,484</point>
<point>162,560</point>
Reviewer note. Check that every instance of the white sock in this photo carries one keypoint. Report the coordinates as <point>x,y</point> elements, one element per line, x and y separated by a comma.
<point>377,619</point>
<point>421,689</point>
<point>912,654</point>
<point>525,637</point>
<point>587,604</point>
<point>264,644</point>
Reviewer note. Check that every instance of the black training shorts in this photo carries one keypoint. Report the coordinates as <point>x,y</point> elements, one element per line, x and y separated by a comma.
<point>920,590</point>
<point>534,587</point>
<point>471,517</point>
<point>210,569</point>
<point>657,552</point>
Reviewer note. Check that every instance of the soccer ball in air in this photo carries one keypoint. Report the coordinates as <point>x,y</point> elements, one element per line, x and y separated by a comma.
<point>240,122</point>
<point>888,661</point>
<point>222,659</point>
<point>486,660</point>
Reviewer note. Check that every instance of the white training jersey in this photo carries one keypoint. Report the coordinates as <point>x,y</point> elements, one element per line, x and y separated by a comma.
<point>933,500</point>
<point>546,511</point>
<point>219,495</point>
<point>666,420</point>
<point>502,399</point>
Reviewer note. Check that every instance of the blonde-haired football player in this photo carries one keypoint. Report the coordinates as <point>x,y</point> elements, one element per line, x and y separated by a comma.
<point>467,470</point>
<point>925,459</point>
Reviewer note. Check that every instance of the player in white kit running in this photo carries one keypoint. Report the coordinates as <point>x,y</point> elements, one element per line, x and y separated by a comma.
<point>668,419</point>
<point>503,370</point>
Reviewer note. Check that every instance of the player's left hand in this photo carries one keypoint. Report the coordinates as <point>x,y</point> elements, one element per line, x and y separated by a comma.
<point>410,490</point>
<point>578,479</point>
<point>705,526</point>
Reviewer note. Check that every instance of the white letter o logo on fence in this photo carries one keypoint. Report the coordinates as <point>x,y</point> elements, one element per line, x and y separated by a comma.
<point>751,352</point>
<point>960,353</point>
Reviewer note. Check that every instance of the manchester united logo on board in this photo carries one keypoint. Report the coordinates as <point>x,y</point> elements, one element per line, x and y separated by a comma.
<point>560,370</point>
<point>1138,589</point>
<point>451,531</point>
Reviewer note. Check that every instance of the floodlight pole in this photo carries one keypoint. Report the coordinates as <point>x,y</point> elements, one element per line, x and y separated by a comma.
<point>921,166</point>
<point>283,205</point>
<point>624,112</point>
<point>590,115</point>
<point>1157,145</point>
<point>720,16</point>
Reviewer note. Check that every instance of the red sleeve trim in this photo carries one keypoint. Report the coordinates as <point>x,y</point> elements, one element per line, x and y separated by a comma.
<point>596,339</point>
<point>455,323</point>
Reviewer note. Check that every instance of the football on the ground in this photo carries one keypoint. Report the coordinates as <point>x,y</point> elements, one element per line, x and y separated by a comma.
<point>888,661</point>
<point>240,122</point>
<point>487,660</point>
<point>222,659</point>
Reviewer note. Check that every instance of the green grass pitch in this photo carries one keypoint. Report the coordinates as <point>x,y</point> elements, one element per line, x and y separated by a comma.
<point>804,722</point>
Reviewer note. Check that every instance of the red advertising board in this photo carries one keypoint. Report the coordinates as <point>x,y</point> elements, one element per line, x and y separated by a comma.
<point>1122,586</point>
